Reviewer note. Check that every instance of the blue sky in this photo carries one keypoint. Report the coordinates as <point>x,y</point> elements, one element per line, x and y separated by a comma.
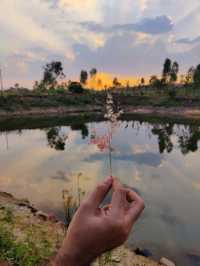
<point>129,37</point>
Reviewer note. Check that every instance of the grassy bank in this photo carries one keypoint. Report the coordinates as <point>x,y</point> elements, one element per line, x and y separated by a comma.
<point>32,104</point>
<point>140,97</point>
<point>29,237</point>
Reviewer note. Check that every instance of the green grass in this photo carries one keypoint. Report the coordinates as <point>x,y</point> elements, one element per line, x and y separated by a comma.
<point>21,253</point>
<point>146,96</point>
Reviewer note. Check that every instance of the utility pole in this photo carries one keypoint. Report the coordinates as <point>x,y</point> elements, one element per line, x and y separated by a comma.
<point>1,82</point>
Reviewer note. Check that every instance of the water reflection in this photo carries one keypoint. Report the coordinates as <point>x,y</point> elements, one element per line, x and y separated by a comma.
<point>160,160</point>
<point>188,137</point>
<point>164,133</point>
<point>56,139</point>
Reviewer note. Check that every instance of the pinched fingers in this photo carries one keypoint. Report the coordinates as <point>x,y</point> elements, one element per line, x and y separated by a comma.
<point>118,201</point>
<point>93,201</point>
<point>136,206</point>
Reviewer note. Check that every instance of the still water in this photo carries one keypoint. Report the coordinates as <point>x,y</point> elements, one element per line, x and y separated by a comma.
<point>161,160</point>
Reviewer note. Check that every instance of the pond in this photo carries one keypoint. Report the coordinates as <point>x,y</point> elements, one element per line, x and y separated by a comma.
<point>158,158</point>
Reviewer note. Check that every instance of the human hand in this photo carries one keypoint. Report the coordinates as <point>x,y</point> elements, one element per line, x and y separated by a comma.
<point>94,230</point>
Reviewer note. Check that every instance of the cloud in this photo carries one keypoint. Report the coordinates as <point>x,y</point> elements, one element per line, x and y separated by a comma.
<point>157,25</point>
<point>148,158</point>
<point>79,10</point>
<point>188,40</point>
<point>120,37</point>
<point>126,54</point>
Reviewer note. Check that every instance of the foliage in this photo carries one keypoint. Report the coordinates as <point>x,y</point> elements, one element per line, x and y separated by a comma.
<point>166,70</point>
<point>197,75</point>
<point>93,72</point>
<point>75,87</point>
<point>142,81</point>
<point>52,71</point>
<point>174,72</point>
<point>21,253</point>
<point>155,82</point>
<point>170,71</point>
<point>190,75</point>
<point>172,93</point>
<point>83,77</point>
<point>116,83</point>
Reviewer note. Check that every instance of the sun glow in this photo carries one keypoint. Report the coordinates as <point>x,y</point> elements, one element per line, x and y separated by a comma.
<point>104,80</point>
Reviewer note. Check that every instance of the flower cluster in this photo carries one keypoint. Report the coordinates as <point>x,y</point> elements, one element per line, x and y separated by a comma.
<point>111,114</point>
<point>103,142</point>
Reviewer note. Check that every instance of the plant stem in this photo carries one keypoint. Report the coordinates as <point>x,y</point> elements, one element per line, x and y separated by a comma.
<point>110,154</point>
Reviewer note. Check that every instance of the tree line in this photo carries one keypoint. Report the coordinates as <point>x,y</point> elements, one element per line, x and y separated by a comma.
<point>53,78</point>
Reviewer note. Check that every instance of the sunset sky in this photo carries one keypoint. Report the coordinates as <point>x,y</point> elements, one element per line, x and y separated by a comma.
<point>129,37</point>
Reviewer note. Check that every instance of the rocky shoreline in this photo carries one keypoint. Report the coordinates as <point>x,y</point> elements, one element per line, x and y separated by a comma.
<point>34,237</point>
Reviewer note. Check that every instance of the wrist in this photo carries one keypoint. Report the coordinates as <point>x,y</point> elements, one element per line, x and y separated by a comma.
<point>72,258</point>
<point>65,260</point>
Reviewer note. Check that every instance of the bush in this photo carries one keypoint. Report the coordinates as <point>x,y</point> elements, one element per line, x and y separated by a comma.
<point>75,87</point>
<point>172,93</point>
<point>60,90</point>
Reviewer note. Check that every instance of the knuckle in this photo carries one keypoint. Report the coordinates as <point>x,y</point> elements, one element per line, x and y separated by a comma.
<point>122,190</point>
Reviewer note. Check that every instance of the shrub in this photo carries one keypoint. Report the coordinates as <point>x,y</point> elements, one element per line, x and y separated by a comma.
<point>172,93</point>
<point>75,87</point>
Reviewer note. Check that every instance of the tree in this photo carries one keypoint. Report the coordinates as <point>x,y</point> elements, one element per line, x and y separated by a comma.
<point>155,82</point>
<point>93,72</point>
<point>142,81</point>
<point>16,86</point>
<point>83,77</point>
<point>190,75</point>
<point>116,83</point>
<point>36,85</point>
<point>197,75</point>
<point>75,87</point>
<point>174,72</point>
<point>167,70</point>
<point>52,72</point>
<point>152,80</point>
<point>127,85</point>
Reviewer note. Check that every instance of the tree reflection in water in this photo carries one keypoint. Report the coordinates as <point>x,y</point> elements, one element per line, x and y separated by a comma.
<point>56,137</point>
<point>188,136</point>
<point>81,127</point>
<point>188,141</point>
<point>164,133</point>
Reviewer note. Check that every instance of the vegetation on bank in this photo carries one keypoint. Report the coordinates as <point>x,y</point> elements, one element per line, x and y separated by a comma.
<point>24,239</point>
<point>52,92</point>
<point>29,237</point>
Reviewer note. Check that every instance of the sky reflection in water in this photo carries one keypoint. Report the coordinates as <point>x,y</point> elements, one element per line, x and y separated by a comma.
<point>159,161</point>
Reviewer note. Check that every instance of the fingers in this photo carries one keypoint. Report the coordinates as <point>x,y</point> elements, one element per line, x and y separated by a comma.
<point>136,206</point>
<point>118,201</point>
<point>97,196</point>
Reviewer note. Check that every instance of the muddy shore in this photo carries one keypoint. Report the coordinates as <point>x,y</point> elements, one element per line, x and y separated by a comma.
<point>179,112</point>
